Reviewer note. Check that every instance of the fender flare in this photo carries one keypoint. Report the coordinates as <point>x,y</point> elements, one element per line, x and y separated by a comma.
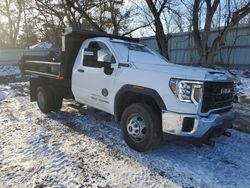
<point>138,90</point>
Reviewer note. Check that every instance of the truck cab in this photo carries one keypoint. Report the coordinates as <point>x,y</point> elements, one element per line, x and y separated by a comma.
<point>149,96</point>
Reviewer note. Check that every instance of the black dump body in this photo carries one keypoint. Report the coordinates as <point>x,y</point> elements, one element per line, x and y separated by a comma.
<point>59,65</point>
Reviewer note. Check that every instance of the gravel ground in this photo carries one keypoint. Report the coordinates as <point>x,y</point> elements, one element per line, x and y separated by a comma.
<point>81,147</point>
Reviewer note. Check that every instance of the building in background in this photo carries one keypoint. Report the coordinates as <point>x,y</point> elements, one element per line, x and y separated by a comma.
<point>235,51</point>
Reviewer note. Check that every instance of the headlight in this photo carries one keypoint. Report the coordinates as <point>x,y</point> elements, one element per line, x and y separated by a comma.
<point>186,91</point>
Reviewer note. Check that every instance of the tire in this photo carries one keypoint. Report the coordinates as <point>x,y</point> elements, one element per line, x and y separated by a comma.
<point>141,127</point>
<point>44,99</point>
<point>58,104</point>
<point>57,99</point>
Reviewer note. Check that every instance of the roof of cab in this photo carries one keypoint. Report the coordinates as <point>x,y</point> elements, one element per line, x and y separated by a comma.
<point>82,33</point>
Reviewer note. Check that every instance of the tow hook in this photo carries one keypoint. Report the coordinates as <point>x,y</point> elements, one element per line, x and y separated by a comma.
<point>209,142</point>
<point>227,134</point>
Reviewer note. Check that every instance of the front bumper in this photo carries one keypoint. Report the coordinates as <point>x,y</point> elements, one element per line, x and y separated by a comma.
<point>198,127</point>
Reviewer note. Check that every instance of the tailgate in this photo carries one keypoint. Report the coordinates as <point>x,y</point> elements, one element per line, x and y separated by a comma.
<point>40,67</point>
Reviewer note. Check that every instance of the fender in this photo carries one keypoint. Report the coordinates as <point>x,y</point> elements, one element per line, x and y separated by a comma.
<point>139,90</point>
<point>63,86</point>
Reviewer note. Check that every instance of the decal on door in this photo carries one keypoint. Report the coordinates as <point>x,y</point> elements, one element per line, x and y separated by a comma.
<point>98,98</point>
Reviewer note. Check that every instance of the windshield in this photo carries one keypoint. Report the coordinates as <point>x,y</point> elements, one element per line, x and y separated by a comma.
<point>136,47</point>
<point>137,53</point>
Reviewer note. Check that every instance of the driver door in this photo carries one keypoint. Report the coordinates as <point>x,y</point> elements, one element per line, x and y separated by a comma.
<point>95,76</point>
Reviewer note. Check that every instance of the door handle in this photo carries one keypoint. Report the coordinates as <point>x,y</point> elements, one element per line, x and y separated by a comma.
<point>80,70</point>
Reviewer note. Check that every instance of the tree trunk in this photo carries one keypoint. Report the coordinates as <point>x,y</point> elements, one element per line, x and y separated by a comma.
<point>206,59</point>
<point>207,53</point>
<point>159,31</point>
<point>161,38</point>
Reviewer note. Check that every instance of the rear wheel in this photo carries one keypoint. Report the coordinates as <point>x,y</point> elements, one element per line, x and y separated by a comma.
<point>141,127</point>
<point>44,99</point>
<point>57,99</point>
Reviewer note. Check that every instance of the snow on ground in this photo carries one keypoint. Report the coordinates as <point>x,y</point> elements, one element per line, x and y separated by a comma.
<point>84,147</point>
<point>242,108</point>
<point>3,95</point>
<point>67,149</point>
<point>6,70</point>
<point>243,81</point>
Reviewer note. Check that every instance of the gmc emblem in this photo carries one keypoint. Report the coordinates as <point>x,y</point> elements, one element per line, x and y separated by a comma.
<point>225,90</point>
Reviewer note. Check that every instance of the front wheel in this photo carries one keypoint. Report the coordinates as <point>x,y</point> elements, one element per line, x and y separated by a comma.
<point>141,127</point>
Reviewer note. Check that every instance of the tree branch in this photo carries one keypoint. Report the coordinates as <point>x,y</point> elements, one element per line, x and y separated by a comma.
<point>81,11</point>
<point>139,27</point>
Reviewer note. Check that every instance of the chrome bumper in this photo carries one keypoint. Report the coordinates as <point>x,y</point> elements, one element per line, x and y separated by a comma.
<point>172,123</point>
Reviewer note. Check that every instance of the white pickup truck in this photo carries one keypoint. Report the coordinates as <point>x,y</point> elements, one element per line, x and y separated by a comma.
<point>149,96</point>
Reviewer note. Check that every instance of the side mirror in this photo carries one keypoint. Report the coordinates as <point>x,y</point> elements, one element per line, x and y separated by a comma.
<point>108,70</point>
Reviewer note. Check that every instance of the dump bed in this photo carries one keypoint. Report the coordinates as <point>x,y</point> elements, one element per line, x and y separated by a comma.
<point>60,66</point>
<point>49,69</point>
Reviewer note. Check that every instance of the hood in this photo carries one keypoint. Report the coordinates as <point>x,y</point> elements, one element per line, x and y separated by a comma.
<point>186,72</point>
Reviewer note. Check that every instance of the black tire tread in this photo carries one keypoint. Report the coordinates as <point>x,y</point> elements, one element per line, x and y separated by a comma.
<point>48,99</point>
<point>58,99</point>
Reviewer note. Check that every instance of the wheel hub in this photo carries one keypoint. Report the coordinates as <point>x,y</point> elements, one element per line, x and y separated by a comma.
<point>136,127</point>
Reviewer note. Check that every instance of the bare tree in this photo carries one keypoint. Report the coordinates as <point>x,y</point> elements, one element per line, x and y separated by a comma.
<point>53,16</point>
<point>12,11</point>
<point>98,15</point>
<point>49,20</point>
<point>108,16</point>
<point>156,7</point>
<point>78,6</point>
<point>121,18</point>
<point>201,37</point>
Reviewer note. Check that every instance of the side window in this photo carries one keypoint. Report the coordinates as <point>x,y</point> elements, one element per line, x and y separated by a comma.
<point>103,53</point>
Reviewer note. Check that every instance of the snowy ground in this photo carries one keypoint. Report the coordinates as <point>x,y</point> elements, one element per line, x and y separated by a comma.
<point>3,95</point>
<point>243,82</point>
<point>6,70</point>
<point>83,147</point>
<point>242,108</point>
